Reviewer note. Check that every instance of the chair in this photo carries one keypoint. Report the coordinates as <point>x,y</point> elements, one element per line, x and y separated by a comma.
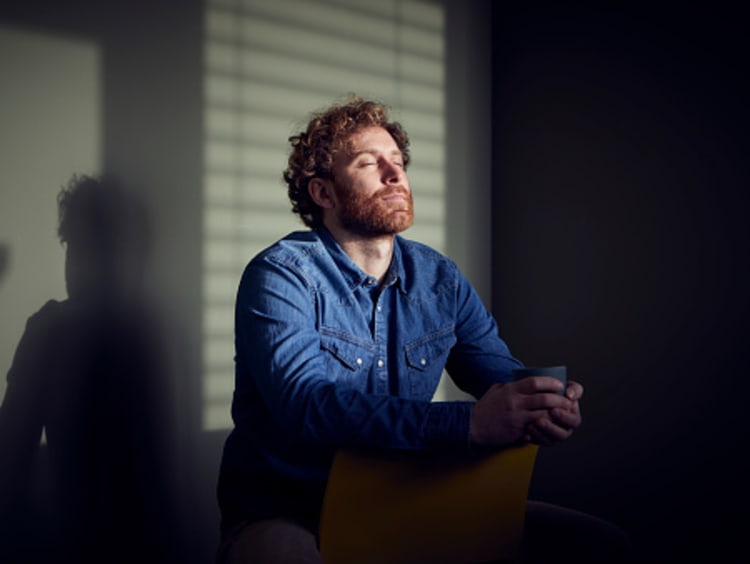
<point>417,507</point>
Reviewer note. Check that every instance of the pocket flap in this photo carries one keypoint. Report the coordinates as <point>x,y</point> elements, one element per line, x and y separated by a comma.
<point>352,355</point>
<point>422,354</point>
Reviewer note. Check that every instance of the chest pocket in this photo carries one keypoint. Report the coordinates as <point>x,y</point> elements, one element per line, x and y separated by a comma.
<point>425,359</point>
<point>348,361</point>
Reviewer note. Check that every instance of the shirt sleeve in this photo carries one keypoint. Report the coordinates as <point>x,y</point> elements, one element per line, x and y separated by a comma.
<point>480,358</point>
<point>279,357</point>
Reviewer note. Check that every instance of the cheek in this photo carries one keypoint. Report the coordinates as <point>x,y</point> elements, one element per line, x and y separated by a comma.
<point>362,188</point>
<point>363,179</point>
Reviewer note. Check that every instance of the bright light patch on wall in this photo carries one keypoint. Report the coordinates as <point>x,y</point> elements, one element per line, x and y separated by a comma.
<point>268,64</point>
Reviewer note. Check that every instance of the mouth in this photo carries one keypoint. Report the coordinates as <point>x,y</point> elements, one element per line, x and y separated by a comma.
<point>395,198</point>
<point>396,195</point>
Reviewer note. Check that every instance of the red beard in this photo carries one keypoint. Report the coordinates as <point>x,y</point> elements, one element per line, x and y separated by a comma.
<point>373,216</point>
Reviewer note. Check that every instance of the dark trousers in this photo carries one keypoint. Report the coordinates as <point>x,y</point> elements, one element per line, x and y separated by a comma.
<point>551,534</point>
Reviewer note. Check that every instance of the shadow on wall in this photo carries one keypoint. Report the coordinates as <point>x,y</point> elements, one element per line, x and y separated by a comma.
<point>89,373</point>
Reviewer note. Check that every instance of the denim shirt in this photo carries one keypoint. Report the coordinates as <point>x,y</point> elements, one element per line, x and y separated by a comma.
<point>328,358</point>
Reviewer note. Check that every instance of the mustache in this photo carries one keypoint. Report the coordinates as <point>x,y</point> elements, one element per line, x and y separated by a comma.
<point>394,191</point>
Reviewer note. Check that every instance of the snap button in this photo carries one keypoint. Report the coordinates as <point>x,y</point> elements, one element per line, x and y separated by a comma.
<point>359,361</point>
<point>422,361</point>
<point>380,363</point>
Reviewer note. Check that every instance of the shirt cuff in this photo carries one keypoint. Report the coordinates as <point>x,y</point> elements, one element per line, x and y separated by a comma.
<point>447,425</point>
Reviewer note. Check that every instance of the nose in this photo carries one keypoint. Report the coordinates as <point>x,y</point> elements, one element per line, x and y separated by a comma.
<point>392,173</point>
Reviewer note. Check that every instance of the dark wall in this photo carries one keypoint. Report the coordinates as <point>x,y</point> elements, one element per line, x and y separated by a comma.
<point>620,248</point>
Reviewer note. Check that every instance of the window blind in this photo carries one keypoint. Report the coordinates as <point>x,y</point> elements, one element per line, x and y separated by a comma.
<point>267,65</point>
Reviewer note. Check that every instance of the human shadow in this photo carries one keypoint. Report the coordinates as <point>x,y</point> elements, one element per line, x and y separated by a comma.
<point>89,375</point>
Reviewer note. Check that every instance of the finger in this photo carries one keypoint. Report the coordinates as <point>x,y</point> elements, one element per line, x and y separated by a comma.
<point>535,384</point>
<point>574,391</point>
<point>543,432</point>
<point>547,400</point>
<point>576,408</point>
<point>535,429</point>
<point>538,438</point>
<point>547,432</point>
<point>565,419</point>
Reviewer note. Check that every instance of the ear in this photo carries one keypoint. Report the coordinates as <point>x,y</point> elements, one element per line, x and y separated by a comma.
<point>321,192</point>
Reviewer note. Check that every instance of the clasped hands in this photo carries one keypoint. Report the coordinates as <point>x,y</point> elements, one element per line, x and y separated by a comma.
<point>526,410</point>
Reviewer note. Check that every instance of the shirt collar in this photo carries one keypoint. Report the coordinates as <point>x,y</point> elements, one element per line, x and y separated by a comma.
<point>355,276</point>
<point>396,273</point>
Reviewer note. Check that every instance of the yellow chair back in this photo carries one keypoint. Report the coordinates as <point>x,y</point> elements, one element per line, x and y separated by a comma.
<point>422,507</point>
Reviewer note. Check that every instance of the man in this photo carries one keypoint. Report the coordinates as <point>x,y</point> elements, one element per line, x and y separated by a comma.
<point>342,333</point>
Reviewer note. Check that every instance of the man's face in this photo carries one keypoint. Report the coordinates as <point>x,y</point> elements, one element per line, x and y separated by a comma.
<point>371,190</point>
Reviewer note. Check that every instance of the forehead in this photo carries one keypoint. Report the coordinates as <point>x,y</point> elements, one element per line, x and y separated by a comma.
<point>370,139</point>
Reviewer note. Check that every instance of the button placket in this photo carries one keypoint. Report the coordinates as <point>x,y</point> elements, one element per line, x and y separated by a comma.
<point>382,341</point>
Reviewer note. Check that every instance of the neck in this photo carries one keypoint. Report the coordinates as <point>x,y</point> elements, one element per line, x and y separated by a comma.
<point>372,254</point>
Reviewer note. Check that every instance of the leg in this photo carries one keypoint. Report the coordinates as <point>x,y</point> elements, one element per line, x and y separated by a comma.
<point>557,534</point>
<point>275,541</point>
